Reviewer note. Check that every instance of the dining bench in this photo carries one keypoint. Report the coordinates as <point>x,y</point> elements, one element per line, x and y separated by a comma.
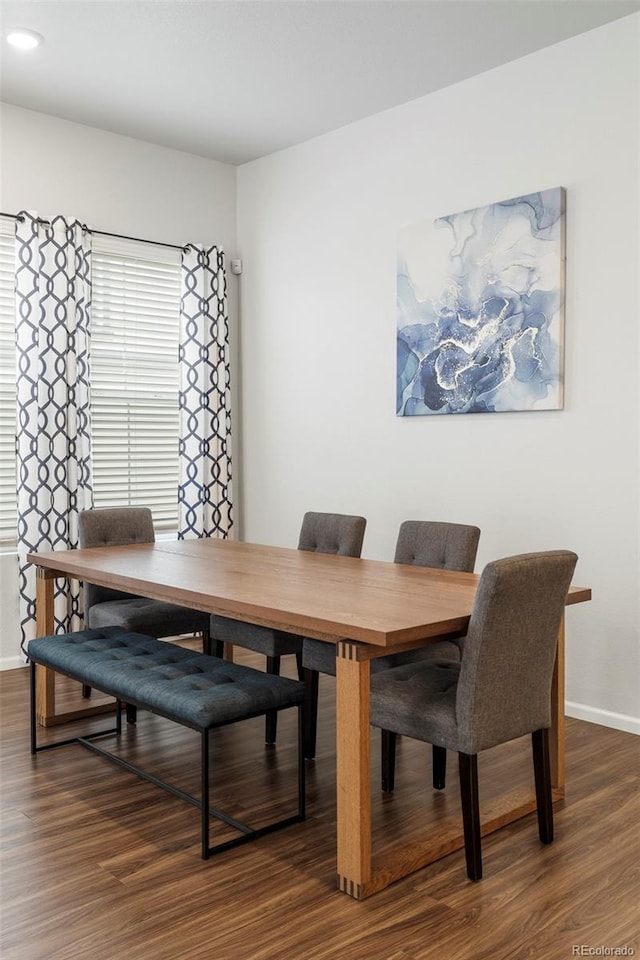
<point>188,687</point>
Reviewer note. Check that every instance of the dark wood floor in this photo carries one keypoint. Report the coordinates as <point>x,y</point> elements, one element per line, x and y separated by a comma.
<point>99,864</point>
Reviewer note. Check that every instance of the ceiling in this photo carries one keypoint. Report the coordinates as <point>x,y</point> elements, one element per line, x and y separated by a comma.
<point>234,80</point>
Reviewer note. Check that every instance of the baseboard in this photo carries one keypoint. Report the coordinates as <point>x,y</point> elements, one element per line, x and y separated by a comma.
<point>606,718</point>
<point>10,663</point>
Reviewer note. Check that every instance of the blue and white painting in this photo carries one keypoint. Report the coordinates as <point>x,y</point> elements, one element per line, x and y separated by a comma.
<point>481,309</point>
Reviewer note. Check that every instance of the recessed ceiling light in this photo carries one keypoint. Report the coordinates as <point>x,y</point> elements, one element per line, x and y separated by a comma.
<point>24,39</point>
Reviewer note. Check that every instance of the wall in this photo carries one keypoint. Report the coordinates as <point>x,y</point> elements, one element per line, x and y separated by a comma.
<point>317,226</point>
<point>111,183</point>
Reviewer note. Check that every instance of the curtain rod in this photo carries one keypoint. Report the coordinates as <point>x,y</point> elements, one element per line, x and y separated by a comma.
<point>104,233</point>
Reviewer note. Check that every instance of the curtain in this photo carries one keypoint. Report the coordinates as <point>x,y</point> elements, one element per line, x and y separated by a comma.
<point>53,303</point>
<point>204,493</point>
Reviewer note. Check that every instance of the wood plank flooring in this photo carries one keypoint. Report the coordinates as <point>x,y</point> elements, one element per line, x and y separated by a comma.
<point>99,864</point>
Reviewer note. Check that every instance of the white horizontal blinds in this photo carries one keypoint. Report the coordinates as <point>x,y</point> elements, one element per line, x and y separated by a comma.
<point>8,507</point>
<point>134,377</point>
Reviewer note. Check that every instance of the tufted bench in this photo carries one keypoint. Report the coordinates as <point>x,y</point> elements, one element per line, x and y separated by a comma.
<point>190,688</point>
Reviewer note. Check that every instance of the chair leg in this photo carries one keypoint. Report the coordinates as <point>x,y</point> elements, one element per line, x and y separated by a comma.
<point>299,666</point>
<point>542,775</point>
<point>388,760</point>
<point>206,641</point>
<point>271,720</point>
<point>219,649</point>
<point>86,691</point>
<point>311,682</point>
<point>301,770</point>
<point>439,767</point>
<point>132,712</point>
<point>468,768</point>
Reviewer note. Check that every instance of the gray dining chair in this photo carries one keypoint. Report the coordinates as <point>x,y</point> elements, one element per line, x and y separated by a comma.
<point>425,543</point>
<point>104,607</point>
<point>333,533</point>
<point>499,691</point>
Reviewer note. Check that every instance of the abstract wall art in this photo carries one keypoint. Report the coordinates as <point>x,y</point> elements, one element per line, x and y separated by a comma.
<point>481,309</point>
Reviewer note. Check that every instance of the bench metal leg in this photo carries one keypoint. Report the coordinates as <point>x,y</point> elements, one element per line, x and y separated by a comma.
<point>32,706</point>
<point>206,811</point>
<point>248,833</point>
<point>33,722</point>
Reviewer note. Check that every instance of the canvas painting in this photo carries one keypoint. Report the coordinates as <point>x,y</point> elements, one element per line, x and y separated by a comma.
<point>481,309</point>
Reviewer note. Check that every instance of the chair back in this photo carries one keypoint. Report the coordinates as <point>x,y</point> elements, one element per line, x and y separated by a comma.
<point>114,527</point>
<point>336,533</point>
<point>504,687</point>
<point>446,546</point>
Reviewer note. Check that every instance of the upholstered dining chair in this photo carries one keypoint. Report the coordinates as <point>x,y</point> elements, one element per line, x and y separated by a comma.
<point>499,691</point>
<point>104,607</point>
<point>425,543</point>
<point>334,533</point>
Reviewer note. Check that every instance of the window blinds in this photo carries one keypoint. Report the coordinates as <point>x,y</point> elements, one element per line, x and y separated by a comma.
<point>134,377</point>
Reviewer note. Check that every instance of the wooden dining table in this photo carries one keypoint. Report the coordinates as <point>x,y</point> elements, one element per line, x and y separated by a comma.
<point>368,608</point>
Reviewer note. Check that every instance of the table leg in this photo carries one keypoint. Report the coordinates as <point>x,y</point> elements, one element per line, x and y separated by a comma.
<point>556,738</point>
<point>359,873</point>
<point>45,679</point>
<point>353,763</point>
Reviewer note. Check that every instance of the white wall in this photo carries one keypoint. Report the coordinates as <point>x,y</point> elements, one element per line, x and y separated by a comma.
<point>111,183</point>
<point>317,226</point>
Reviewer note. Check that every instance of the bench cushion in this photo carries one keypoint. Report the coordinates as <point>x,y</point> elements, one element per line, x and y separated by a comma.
<point>183,685</point>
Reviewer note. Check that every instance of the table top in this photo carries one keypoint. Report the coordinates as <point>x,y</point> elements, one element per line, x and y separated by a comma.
<point>319,595</point>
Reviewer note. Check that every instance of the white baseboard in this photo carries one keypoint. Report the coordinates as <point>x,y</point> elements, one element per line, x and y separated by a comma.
<point>10,663</point>
<point>619,721</point>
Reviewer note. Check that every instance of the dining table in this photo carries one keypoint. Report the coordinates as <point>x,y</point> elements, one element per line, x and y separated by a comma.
<point>367,608</point>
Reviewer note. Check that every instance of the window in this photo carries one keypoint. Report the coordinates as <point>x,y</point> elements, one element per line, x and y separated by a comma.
<point>134,377</point>
<point>8,522</point>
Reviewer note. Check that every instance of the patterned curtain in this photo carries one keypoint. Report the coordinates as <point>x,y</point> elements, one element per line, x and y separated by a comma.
<point>204,493</point>
<point>53,300</point>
